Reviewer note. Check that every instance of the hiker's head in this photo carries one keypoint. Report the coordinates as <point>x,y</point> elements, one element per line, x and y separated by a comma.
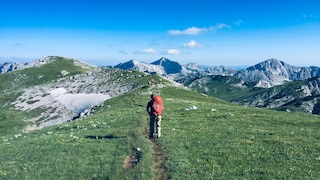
<point>152,95</point>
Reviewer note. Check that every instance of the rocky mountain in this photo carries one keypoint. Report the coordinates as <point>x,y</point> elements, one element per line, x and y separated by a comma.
<point>10,66</point>
<point>170,67</point>
<point>266,74</point>
<point>135,65</point>
<point>274,72</point>
<point>180,73</point>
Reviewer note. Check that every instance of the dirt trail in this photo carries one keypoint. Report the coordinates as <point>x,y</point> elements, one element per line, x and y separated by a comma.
<point>158,158</point>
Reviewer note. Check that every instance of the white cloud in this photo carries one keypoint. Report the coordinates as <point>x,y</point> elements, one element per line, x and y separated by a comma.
<point>195,30</point>
<point>173,51</point>
<point>189,31</point>
<point>147,51</point>
<point>192,44</point>
<point>219,26</point>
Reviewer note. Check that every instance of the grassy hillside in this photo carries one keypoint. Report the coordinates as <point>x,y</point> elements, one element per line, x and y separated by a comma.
<point>218,140</point>
<point>13,83</point>
<point>223,87</point>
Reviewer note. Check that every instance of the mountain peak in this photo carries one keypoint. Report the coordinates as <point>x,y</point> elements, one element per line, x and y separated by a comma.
<point>164,59</point>
<point>272,60</point>
<point>170,67</point>
<point>269,64</point>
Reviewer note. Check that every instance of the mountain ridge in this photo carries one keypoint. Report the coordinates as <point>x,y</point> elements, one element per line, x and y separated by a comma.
<point>266,74</point>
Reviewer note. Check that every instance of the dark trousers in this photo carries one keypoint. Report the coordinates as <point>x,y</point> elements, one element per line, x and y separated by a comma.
<point>155,120</point>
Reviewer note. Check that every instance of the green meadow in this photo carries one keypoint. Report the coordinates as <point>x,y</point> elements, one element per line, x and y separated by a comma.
<point>217,140</point>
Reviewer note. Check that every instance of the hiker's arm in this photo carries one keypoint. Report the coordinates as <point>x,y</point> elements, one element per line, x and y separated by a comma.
<point>149,108</point>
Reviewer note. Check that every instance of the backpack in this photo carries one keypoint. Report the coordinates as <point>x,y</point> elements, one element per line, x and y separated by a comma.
<point>157,105</point>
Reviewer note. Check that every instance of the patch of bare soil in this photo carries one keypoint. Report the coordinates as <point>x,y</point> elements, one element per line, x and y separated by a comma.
<point>159,169</point>
<point>131,161</point>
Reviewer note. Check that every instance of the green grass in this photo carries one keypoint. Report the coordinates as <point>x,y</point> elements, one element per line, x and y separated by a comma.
<point>223,87</point>
<point>219,140</point>
<point>95,147</point>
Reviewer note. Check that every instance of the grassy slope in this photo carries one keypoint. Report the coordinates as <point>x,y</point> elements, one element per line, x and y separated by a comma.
<point>218,140</point>
<point>223,87</point>
<point>95,147</point>
<point>236,142</point>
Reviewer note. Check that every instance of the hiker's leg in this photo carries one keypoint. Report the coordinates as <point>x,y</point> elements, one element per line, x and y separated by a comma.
<point>158,125</point>
<point>152,119</point>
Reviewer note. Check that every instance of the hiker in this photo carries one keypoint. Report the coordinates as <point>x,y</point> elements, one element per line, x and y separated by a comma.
<point>154,109</point>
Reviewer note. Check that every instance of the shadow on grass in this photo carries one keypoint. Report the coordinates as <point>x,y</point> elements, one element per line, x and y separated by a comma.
<point>104,137</point>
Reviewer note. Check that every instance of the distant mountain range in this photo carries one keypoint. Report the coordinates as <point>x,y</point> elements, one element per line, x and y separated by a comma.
<point>174,70</point>
<point>270,84</point>
<point>265,74</point>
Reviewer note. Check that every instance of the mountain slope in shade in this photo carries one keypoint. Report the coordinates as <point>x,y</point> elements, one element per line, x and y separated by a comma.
<point>170,67</point>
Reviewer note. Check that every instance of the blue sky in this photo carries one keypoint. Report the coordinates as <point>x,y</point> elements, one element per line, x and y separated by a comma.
<point>207,32</point>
